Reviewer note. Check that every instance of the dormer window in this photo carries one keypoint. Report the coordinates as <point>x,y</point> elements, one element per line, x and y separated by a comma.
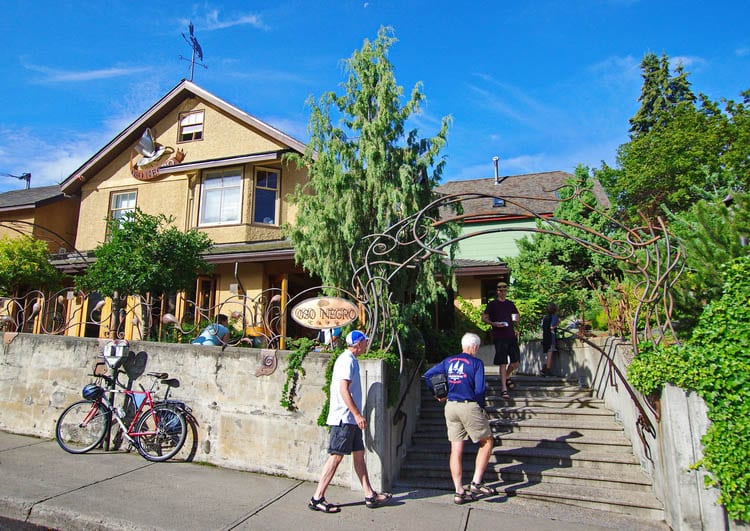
<point>191,126</point>
<point>497,202</point>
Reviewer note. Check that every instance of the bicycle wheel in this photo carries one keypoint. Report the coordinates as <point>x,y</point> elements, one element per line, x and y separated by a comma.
<point>167,432</point>
<point>82,426</point>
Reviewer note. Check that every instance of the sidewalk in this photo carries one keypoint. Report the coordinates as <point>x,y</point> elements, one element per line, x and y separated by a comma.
<point>43,485</point>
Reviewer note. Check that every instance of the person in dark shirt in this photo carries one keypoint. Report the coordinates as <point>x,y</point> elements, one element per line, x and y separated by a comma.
<point>503,315</point>
<point>549,337</point>
<point>465,416</point>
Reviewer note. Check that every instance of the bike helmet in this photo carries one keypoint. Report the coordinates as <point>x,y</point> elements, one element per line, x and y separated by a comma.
<point>92,392</point>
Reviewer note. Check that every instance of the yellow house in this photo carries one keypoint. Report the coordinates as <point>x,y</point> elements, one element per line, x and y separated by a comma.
<point>212,167</point>
<point>44,213</point>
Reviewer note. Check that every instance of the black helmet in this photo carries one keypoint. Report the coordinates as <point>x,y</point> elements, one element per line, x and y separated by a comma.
<point>92,392</point>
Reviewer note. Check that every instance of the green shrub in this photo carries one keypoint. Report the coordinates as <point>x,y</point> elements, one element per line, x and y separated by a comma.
<point>715,362</point>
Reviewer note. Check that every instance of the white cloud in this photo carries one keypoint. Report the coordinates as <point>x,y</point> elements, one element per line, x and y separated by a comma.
<point>24,150</point>
<point>617,70</point>
<point>688,62</point>
<point>53,75</point>
<point>210,21</point>
<point>742,52</point>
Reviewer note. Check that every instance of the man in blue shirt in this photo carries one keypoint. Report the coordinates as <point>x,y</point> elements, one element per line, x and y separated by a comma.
<point>465,416</point>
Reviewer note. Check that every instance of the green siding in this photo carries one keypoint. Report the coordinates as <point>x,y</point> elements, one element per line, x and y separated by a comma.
<point>495,245</point>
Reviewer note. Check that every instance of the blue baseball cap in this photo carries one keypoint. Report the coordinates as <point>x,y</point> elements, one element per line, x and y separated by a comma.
<point>354,337</point>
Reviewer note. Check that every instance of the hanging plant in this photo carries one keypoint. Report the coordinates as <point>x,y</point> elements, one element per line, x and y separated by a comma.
<point>294,370</point>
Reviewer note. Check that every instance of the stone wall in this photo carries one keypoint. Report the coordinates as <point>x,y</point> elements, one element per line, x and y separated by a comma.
<point>241,423</point>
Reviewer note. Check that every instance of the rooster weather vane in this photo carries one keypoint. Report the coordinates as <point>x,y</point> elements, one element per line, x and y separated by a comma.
<point>197,50</point>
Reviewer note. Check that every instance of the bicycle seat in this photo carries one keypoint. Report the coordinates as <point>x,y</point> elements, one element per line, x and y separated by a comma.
<point>159,375</point>
<point>171,382</point>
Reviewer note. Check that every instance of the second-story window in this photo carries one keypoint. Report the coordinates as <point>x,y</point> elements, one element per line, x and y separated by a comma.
<point>221,197</point>
<point>191,126</point>
<point>266,196</point>
<point>120,204</point>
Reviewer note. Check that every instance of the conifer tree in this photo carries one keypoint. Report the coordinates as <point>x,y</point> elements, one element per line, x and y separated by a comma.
<point>660,93</point>
<point>366,172</point>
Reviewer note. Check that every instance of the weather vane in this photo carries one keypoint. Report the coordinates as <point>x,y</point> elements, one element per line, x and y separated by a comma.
<point>197,51</point>
<point>24,177</point>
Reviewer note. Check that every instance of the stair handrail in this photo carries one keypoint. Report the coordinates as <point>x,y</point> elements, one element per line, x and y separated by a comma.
<point>643,423</point>
<point>399,414</point>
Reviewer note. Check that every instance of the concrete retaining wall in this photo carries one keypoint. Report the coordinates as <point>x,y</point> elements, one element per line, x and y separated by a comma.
<point>241,423</point>
<point>688,504</point>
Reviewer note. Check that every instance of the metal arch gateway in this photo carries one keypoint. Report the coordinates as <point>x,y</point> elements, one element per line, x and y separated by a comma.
<point>649,252</point>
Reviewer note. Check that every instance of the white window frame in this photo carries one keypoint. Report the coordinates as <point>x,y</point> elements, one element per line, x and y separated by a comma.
<point>265,190</point>
<point>117,211</point>
<point>221,189</point>
<point>191,123</point>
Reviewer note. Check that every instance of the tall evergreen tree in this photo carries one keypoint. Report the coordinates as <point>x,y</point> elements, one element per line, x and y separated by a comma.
<point>660,93</point>
<point>677,140</point>
<point>366,173</point>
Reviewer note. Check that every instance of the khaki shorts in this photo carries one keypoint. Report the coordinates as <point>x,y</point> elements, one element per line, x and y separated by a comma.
<point>466,420</point>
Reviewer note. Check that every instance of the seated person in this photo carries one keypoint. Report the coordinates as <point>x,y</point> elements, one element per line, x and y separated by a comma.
<point>216,334</point>
<point>330,338</point>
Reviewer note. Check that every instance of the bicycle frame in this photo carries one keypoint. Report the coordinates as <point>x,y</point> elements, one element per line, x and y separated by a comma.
<point>128,431</point>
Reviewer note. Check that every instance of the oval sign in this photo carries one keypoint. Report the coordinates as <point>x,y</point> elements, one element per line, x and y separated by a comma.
<point>325,312</point>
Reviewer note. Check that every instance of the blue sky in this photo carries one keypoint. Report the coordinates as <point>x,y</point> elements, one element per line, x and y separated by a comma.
<point>544,85</point>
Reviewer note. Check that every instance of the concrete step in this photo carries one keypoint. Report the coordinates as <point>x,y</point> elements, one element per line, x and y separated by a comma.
<point>531,425</point>
<point>554,444</point>
<point>601,441</point>
<point>638,504</point>
<point>628,479</point>
<point>609,494</point>
<point>435,454</point>
<point>521,412</point>
<point>563,478</point>
<point>561,391</point>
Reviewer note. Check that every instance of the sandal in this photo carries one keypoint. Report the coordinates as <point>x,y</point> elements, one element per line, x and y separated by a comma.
<point>482,488</point>
<point>505,395</point>
<point>459,498</point>
<point>510,384</point>
<point>323,506</point>
<point>375,501</point>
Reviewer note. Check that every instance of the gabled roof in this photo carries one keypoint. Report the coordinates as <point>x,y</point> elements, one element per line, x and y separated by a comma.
<point>536,192</point>
<point>31,198</point>
<point>160,109</point>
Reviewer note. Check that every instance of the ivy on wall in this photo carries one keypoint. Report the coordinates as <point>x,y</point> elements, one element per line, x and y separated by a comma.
<point>715,362</point>
<point>294,370</point>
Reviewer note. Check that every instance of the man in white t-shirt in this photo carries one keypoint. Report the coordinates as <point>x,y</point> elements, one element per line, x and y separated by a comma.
<point>347,422</point>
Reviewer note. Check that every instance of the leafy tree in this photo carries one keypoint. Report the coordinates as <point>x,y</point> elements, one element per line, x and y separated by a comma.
<point>677,140</point>
<point>365,174</point>
<point>24,265</point>
<point>145,254</point>
<point>553,268</point>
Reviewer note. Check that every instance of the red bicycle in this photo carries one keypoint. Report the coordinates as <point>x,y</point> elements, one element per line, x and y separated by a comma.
<point>157,430</point>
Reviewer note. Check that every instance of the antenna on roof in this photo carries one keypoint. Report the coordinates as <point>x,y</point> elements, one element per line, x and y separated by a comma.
<point>24,177</point>
<point>197,51</point>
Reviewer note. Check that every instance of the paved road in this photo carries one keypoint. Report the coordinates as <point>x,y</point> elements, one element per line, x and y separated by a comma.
<point>41,485</point>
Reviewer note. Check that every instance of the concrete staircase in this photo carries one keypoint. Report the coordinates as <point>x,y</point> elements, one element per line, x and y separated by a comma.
<point>554,442</point>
